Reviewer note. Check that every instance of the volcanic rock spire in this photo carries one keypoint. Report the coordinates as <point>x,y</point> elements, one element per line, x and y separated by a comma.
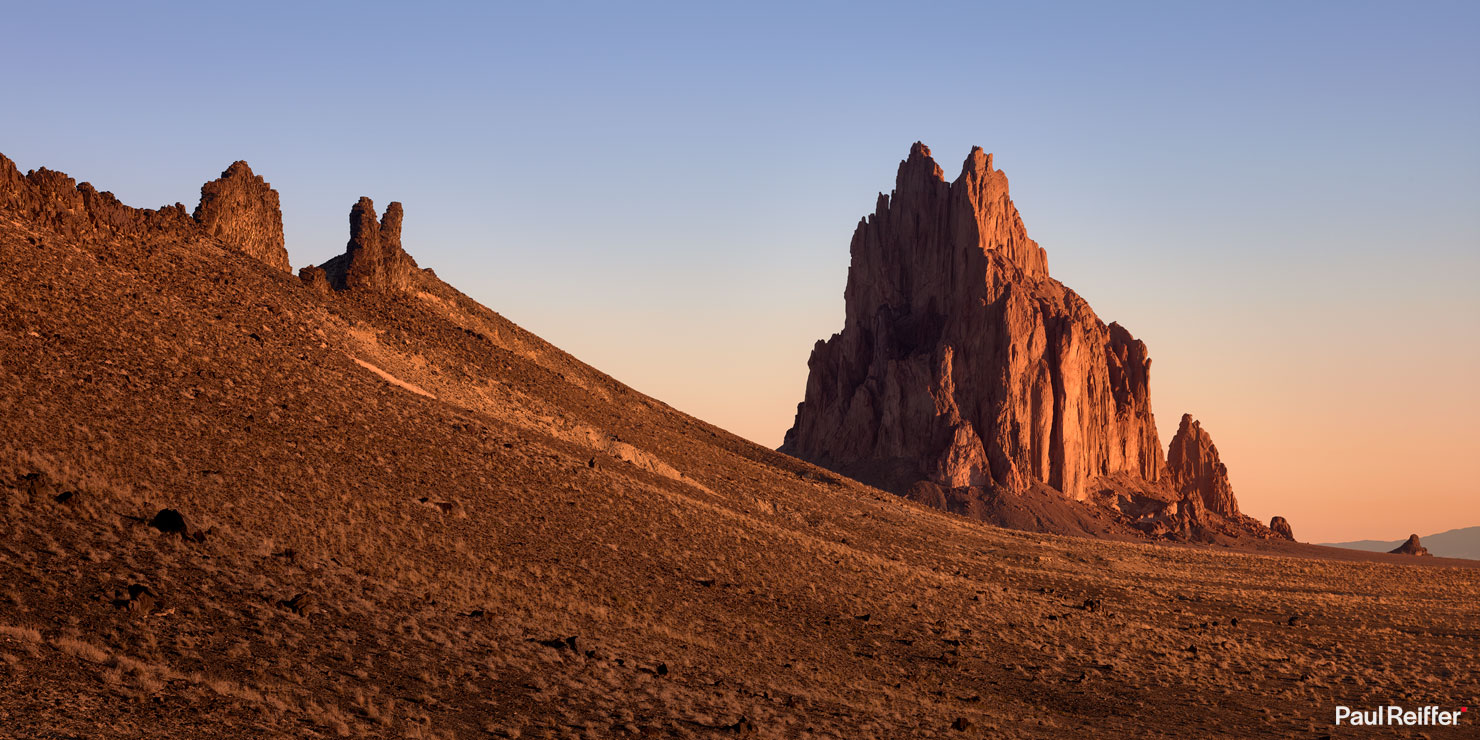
<point>241,209</point>
<point>373,259</point>
<point>961,362</point>
<point>1194,470</point>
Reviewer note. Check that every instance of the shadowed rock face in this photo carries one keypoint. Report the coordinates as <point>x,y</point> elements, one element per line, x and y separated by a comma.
<point>373,259</point>
<point>1194,470</point>
<point>961,362</point>
<point>241,209</point>
<point>1279,526</point>
<point>1411,547</point>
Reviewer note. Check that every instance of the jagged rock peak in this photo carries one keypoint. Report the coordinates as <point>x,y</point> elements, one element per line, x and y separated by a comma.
<point>961,362</point>
<point>1193,468</point>
<point>373,258</point>
<point>1412,547</point>
<point>1279,526</point>
<point>50,200</point>
<point>242,210</point>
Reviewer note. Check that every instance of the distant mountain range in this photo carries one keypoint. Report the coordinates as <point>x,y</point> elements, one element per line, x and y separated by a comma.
<point>1456,543</point>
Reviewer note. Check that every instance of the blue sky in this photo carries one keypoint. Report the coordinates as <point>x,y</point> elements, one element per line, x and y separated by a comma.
<point>1282,199</point>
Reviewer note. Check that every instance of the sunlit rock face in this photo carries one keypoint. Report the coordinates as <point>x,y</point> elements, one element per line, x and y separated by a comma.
<point>241,209</point>
<point>962,362</point>
<point>1194,470</point>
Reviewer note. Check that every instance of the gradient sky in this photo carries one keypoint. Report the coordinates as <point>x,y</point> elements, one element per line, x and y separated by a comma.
<point>1282,200</point>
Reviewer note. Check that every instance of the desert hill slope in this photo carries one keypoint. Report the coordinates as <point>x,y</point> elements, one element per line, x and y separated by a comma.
<point>404,516</point>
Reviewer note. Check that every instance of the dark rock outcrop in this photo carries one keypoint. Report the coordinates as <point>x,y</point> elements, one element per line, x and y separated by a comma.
<point>961,362</point>
<point>316,279</point>
<point>1411,547</point>
<point>1194,470</point>
<point>373,259</point>
<point>1279,526</point>
<point>170,521</point>
<point>241,209</point>
<point>51,200</point>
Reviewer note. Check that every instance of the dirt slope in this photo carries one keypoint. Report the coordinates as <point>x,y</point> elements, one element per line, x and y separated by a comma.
<point>407,517</point>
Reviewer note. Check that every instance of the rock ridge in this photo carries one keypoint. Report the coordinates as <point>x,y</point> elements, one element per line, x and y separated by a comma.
<point>239,211</point>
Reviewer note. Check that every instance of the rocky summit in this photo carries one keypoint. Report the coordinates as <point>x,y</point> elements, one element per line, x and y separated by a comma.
<point>966,377</point>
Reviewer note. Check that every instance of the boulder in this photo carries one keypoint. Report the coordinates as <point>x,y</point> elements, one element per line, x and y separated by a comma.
<point>1411,547</point>
<point>1279,526</point>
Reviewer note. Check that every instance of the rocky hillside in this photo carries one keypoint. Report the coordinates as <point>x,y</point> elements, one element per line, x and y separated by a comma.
<point>355,503</point>
<point>968,378</point>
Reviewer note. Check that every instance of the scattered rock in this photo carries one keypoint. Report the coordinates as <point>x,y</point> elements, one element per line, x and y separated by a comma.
<point>36,484</point>
<point>137,599</point>
<point>170,521</point>
<point>301,604</point>
<point>743,727</point>
<point>560,643</point>
<point>961,724</point>
<point>1092,605</point>
<point>1411,547</point>
<point>446,507</point>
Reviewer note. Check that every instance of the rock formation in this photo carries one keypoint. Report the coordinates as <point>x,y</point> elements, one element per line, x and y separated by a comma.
<point>1411,547</point>
<point>316,279</point>
<point>53,201</point>
<point>373,259</point>
<point>241,209</point>
<point>967,377</point>
<point>1279,526</point>
<point>1194,470</point>
<point>962,362</point>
